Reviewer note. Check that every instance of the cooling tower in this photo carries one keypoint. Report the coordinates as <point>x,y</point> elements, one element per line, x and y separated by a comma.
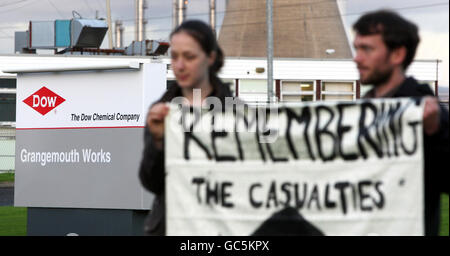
<point>301,29</point>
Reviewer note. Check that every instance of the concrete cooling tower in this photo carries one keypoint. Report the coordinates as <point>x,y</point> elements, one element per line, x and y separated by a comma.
<point>301,29</point>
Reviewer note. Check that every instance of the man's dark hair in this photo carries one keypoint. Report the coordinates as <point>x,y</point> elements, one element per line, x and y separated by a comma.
<point>395,31</point>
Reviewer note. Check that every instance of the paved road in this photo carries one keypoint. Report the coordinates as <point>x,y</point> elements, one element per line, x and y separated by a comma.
<point>6,196</point>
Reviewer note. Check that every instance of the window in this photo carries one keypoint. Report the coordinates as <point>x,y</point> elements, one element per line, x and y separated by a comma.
<point>295,91</point>
<point>338,91</point>
<point>253,90</point>
<point>338,97</point>
<point>7,100</point>
<point>7,83</point>
<point>7,107</point>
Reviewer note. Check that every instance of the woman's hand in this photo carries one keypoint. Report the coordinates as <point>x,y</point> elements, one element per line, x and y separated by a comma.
<point>155,122</point>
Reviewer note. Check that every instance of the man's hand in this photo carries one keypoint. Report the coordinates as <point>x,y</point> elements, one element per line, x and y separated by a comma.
<point>431,115</point>
<point>155,122</point>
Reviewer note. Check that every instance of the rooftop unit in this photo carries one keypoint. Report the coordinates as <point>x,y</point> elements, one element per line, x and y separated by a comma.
<point>147,47</point>
<point>74,33</point>
<point>79,37</point>
<point>87,33</point>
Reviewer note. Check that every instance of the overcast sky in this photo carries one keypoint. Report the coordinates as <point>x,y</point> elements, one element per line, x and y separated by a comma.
<point>432,17</point>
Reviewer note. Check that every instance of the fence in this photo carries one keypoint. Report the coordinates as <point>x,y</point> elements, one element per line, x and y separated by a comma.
<point>7,148</point>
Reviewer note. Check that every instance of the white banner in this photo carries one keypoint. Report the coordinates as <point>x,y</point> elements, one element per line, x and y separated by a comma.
<point>321,168</point>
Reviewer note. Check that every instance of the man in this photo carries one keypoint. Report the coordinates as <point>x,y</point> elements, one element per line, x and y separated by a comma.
<point>385,45</point>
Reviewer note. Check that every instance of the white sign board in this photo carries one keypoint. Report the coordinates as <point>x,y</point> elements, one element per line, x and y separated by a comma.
<point>79,137</point>
<point>351,168</point>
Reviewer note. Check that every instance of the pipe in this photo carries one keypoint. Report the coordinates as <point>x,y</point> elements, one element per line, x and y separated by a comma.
<point>108,12</point>
<point>174,14</point>
<point>180,12</point>
<point>144,21</point>
<point>139,36</point>
<point>212,14</point>
<point>119,34</point>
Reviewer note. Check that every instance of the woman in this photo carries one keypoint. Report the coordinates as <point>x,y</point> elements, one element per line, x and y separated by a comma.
<point>195,58</point>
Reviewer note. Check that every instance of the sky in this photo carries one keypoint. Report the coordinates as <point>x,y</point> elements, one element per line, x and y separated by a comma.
<point>432,17</point>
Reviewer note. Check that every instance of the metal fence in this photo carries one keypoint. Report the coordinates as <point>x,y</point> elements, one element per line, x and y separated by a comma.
<point>7,148</point>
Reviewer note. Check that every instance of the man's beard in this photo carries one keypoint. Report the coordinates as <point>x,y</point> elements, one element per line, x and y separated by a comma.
<point>378,77</point>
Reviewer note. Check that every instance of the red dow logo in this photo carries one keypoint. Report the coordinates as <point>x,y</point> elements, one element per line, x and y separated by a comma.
<point>44,100</point>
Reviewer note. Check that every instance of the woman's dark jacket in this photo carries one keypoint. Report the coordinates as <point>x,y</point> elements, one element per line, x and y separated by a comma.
<point>436,149</point>
<point>152,171</point>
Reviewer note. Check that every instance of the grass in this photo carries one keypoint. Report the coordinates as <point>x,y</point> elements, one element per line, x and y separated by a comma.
<point>444,215</point>
<point>6,177</point>
<point>13,221</point>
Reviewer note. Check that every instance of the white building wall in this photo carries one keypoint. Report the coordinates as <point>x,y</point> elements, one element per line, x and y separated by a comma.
<point>234,68</point>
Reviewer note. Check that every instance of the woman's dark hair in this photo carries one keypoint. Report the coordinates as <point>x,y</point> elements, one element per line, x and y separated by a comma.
<point>395,31</point>
<point>205,37</point>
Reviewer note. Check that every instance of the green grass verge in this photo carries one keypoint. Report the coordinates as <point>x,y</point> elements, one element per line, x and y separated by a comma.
<point>444,215</point>
<point>6,177</point>
<point>13,221</point>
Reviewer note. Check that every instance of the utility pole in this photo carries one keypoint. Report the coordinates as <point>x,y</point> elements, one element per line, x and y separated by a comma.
<point>108,14</point>
<point>269,19</point>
